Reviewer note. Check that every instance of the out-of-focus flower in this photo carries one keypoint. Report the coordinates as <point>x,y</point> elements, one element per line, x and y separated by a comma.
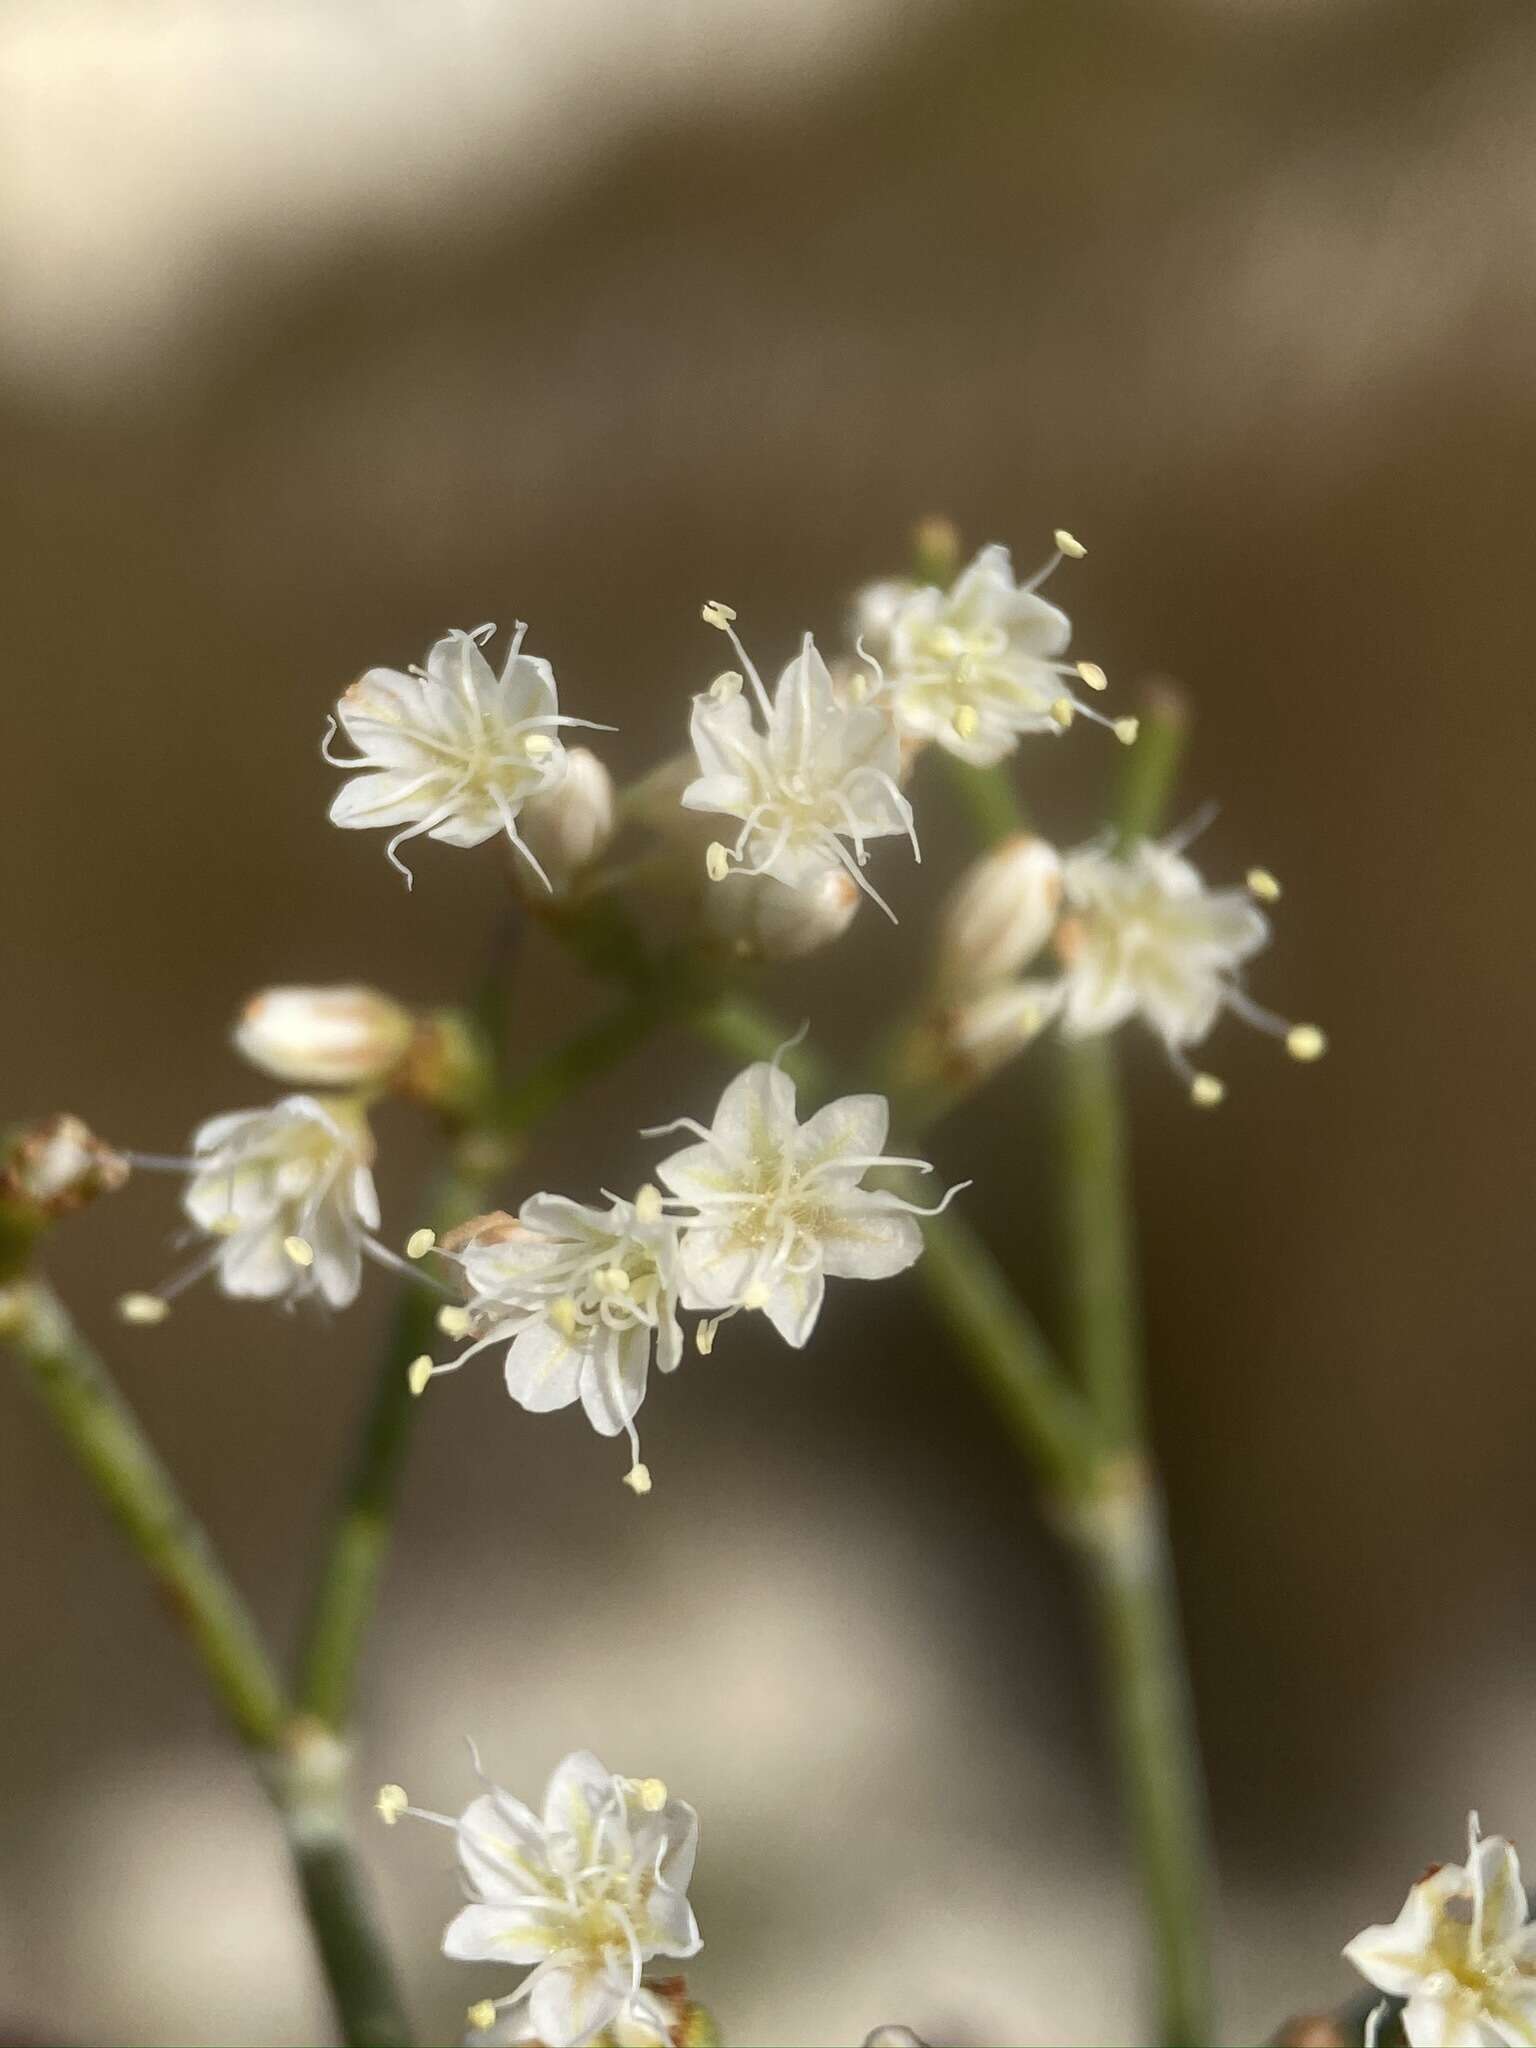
<point>286,1196</point>
<point>1461,1952</point>
<point>978,666</point>
<point>998,917</point>
<point>56,1167</point>
<point>981,1035</point>
<point>757,918</point>
<point>567,827</point>
<point>779,1205</point>
<point>819,779</point>
<point>452,750</point>
<point>587,1892</point>
<point>580,1296</point>
<point>324,1037</point>
<point>659,2015</point>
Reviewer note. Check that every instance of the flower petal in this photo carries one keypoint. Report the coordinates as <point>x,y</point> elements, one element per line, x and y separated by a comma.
<point>613,1379</point>
<point>543,1369</point>
<point>572,2003</point>
<point>524,1930</point>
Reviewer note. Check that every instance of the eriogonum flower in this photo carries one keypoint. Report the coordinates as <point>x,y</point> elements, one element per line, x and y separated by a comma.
<point>779,1205</point>
<point>588,1892</point>
<point>580,1296</point>
<point>286,1195</point>
<point>811,787</point>
<point>979,665</point>
<point>452,750</point>
<point>1461,1952</point>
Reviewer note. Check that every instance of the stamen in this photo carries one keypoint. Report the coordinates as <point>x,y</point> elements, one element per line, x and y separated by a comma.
<point>224,1226</point>
<point>420,1242</point>
<point>538,746</point>
<point>716,614</point>
<point>300,1250</point>
<point>1261,883</point>
<point>756,1296</point>
<point>142,1308</point>
<point>638,1480</point>
<point>1206,1092</point>
<point>418,1373</point>
<point>648,1204</point>
<point>717,861</point>
<point>1063,711</point>
<point>653,1794</point>
<point>453,1322</point>
<point>1069,544</point>
<point>391,1803</point>
<point>1126,731</point>
<point>481,2017</point>
<point>726,687</point>
<point>1093,675</point>
<point>704,1335</point>
<point>1305,1042</point>
<point>563,1313</point>
<point>966,722</point>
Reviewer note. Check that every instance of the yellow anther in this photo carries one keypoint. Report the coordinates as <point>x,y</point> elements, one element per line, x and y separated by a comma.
<point>481,2017</point>
<point>1205,1091</point>
<point>142,1308</point>
<point>725,687</point>
<point>717,614</point>
<point>1305,1042</point>
<point>1126,730</point>
<point>538,746</point>
<point>453,1322</point>
<point>418,1373</point>
<point>648,1204</point>
<point>1063,711</point>
<point>420,1242</point>
<point>717,862</point>
<point>638,1478</point>
<point>1261,883</point>
<point>966,721</point>
<point>300,1250</point>
<point>704,1336</point>
<point>1093,675</point>
<point>563,1314</point>
<point>653,1794</point>
<point>391,1803</point>
<point>613,1280</point>
<point>1069,544</point>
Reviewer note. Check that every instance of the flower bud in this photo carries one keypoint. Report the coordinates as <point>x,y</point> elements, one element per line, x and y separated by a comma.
<point>760,918</point>
<point>982,1035</point>
<point>566,828</point>
<point>998,917</point>
<point>56,1167</point>
<point>324,1037</point>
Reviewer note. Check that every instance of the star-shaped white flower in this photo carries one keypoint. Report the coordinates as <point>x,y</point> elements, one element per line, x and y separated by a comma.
<point>580,1296</point>
<point>452,750</point>
<point>810,787</point>
<point>779,1205</point>
<point>978,666</point>
<point>1461,1952</point>
<point>588,1892</point>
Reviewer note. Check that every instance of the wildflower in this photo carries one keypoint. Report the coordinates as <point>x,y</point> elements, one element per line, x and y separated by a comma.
<point>451,750</point>
<point>580,1296</point>
<point>978,666</point>
<point>759,919</point>
<point>1460,1952</point>
<point>822,772</point>
<point>324,1037</point>
<point>287,1198</point>
<point>779,1205</point>
<point>998,917</point>
<point>588,1892</point>
<point>568,827</point>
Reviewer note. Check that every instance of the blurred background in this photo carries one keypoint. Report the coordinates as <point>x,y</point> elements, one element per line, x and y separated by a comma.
<point>328,325</point>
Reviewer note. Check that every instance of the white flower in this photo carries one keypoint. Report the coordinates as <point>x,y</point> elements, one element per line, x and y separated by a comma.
<point>580,1296</point>
<point>566,828</point>
<point>324,1037</point>
<point>821,773</point>
<point>1460,1952</point>
<point>451,750</point>
<point>779,1205</point>
<point>587,1892</point>
<point>287,1197</point>
<point>977,666</point>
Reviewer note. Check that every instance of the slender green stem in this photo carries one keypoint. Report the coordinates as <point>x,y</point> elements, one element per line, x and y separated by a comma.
<point>1105,1318</point>
<point>992,802</point>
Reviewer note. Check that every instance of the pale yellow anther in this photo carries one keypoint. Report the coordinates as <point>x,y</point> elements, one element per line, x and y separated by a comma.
<point>1205,1091</point>
<point>725,687</point>
<point>756,1296</point>
<point>716,614</point>
<point>966,721</point>
<point>638,1478</point>
<point>418,1373</point>
<point>1126,730</point>
<point>648,1204</point>
<point>1063,711</point>
<point>1305,1042</point>
<point>1069,544</point>
<point>1093,675</point>
<point>420,1242</point>
<point>717,862</point>
<point>453,1322</point>
<point>653,1794</point>
<point>391,1803</point>
<point>563,1313</point>
<point>300,1250</point>
<point>538,746</point>
<point>225,1226</point>
<point>142,1308</point>
<point>613,1280</point>
<point>481,2017</point>
<point>1261,883</point>
<point>704,1336</point>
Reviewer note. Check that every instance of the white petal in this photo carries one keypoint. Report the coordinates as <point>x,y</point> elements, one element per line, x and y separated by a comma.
<point>870,1239</point>
<point>672,1929</point>
<point>254,1266</point>
<point>528,689</point>
<point>1511,2013</point>
<point>1496,1867</point>
<point>1397,1956</point>
<point>579,1790</point>
<point>613,1379</point>
<point>543,1369</point>
<point>509,1931</point>
<point>1453,2022</point>
<point>794,1304</point>
<point>729,751</point>
<point>716,1268</point>
<point>853,1124</point>
<point>389,797</point>
<point>805,711</point>
<point>756,1114</point>
<point>501,1847</point>
<point>571,2004</point>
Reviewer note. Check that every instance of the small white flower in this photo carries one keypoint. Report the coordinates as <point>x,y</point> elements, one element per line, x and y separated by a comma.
<point>779,1205</point>
<point>978,666</point>
<point>324,1037</point>
<point>818,779</point>
<point>1461,1952</point>
<point>588,1892</point>
<point>452,750</point>
<point>580,1296</point>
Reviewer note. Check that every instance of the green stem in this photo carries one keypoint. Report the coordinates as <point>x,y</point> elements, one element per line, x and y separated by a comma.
<point>992,803</point>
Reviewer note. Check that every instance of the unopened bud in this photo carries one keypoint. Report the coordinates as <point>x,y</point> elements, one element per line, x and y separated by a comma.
<point>324,1037</point>
<point>985,1033</point>
<point>758,917</point>
<point>56,1167</point>
<point>568,827</point>
<point>998,917</point>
